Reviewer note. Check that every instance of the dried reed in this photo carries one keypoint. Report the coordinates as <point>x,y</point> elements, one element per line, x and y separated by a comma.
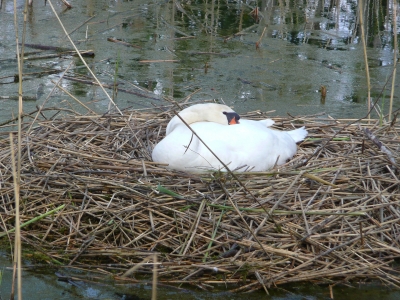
<point>17,165</point>
<point>334,218</point>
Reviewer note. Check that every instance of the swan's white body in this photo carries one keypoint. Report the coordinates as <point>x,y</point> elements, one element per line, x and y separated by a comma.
<point>250,145</point>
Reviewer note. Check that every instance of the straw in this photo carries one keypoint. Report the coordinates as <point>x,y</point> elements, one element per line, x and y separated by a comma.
<point>337,213</point>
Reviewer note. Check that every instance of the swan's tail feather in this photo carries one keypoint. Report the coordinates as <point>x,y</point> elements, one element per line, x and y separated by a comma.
<point>298,134</point>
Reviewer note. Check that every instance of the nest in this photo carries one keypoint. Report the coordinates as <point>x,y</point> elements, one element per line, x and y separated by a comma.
<point>92,198</point>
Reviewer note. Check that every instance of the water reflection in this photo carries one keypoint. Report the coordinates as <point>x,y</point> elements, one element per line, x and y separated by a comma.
<point>292,46</point>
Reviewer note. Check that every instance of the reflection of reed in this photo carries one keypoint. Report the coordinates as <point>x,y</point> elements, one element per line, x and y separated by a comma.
<point>336,25</point>
<point>296,22</point>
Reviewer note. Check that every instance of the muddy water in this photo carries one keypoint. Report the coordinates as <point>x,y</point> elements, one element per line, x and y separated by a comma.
<point>276,60</point>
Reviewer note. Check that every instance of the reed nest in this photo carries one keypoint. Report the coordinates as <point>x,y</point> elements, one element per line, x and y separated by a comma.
<point>92,198</point>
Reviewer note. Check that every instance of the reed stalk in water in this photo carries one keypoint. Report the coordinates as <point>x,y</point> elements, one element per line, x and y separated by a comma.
<point>16,165</point>
<point>395,47</point>
<point>361,19</point>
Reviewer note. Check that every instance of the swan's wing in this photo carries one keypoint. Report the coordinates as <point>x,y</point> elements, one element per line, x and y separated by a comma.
<point>182,150</point>
<point>261,126</point>
<point>267,122</point>
<point>256,125</point>
<point>249,143</point>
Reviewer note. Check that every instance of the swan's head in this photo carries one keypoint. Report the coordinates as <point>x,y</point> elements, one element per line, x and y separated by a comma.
<point>208,112</point>
<point>232,117</point>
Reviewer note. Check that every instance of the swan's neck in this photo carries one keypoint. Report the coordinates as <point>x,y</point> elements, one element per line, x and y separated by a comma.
<point>204,113</point>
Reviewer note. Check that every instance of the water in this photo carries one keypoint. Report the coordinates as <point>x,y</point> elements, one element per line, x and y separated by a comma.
<point>199,51</point>
<point>40,283</point>
<point>303,48</point>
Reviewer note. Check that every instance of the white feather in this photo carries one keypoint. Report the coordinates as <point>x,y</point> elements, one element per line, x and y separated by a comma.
<point>250,144</point>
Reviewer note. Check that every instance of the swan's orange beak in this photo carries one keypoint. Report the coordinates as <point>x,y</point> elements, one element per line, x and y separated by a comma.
<point>232,117</point>
<point>233,121</point>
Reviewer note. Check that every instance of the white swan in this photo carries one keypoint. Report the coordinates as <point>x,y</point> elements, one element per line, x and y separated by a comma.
<point>249,145</point>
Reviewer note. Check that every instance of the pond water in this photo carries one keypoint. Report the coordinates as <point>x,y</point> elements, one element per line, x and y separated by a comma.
<point>40,283</point>
<point>202,50</point>
<point>158,51</point>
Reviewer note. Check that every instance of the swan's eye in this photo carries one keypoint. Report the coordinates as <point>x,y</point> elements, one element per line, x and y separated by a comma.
<point>232,117</point>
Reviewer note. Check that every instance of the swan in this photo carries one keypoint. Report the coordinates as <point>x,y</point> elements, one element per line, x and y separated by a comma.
<point>244,145</point>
